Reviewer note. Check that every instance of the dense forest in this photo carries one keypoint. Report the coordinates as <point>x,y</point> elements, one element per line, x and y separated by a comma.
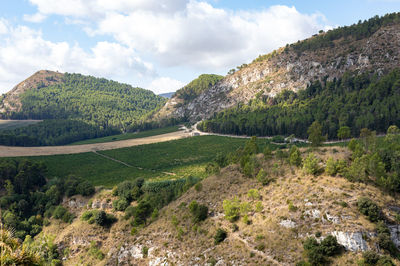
<point>356,100</point>
<point>97,101</point>
<point>53,132</point>
<point>30,199</point>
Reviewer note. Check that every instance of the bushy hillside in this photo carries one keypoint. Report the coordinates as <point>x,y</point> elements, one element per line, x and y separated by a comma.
<point>368,47</point>
<point>304,206</point>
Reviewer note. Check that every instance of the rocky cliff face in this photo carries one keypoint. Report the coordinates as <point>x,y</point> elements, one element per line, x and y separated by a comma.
<point>287,69</point>
<point>12,100</point>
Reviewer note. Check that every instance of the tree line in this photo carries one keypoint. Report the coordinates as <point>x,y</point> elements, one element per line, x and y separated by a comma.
<point>54,132</point>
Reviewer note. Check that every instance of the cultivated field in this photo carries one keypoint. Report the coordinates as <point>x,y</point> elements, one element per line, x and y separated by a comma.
<point>12,151</point>
<point>165,160</point>
<point>147,133</point>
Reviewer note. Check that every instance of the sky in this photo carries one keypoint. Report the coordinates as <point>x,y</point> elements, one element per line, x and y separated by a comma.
<point>159,45</point>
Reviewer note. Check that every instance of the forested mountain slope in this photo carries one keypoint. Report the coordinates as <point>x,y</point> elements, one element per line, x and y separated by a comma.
<point>369,47</point>
<point>96,101</point>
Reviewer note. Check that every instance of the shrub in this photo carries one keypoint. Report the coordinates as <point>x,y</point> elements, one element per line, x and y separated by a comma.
<point>260,247</point>
<point>253,194</point>
<point>330,168</point>
<point>231,209</point>
<point>246,219</point>
<point>384,239</point>
<point>134,231</point>
<point>248,169</point>
<point>369,209</point>
<point>310,165</point>
<point>68,217</point>
<point>62,213</point>
<point>124,190</point>
<point>120,204</point>
<point>129,212</point>
<point>385,261</point>
<point>85,188</point>
<point>330,246</point>
<point>295,156</point>
<point>145,251</point>
<point>291,207</point>
<point>94,251</point>
<point>263,178</point>
<point>198,187</point>
<point>199,212</point>
<point>142,211</point>
<point>59,211</point>
<point>267,152</point>
<point>154,214</point>
<point>259,206</point>
<point>220,236</point>
<point>317,253</point>
<point>100,218</point>
<point>370,257</point>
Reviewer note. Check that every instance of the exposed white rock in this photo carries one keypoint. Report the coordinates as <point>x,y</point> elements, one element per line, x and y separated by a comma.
<point>332,218</point>
<point>288,223</point>
<point>395,234</point>
<point>315,214</point>
<point>352,241</point>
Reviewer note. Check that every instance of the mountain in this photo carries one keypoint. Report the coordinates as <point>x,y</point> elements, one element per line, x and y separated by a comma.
<point>97,101</point>
<point>369,47</point>
<point>167,95</point>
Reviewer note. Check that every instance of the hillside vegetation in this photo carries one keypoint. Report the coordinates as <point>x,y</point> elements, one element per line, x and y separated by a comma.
<point>291,206</point>
<point>356,101</point>
<point>78,107</point>
<point>348,59</point>
<point>94,100</point>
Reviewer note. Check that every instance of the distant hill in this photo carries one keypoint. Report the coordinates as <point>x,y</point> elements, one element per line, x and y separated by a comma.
<point>97,101</point>
<point>167,95</point>
<point>74,107</point>
<point>320,66</point>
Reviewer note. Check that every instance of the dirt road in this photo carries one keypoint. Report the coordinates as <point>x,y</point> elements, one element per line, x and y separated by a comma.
<point>11,151</point>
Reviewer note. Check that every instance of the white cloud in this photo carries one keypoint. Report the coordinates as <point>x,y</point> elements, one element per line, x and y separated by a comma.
<point>164,85</point>
<point>190,35</point>
<point>23,51</point>
<point>3,26</point>
<point>204,36</point>
<point>35,18</point>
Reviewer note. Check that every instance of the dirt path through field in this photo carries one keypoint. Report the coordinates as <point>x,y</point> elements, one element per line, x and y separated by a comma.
<point>11,151</point>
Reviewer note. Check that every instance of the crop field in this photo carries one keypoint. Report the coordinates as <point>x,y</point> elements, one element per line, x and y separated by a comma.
<point>147,133</point>
<point>12,124</point>
<point>165,160</point>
